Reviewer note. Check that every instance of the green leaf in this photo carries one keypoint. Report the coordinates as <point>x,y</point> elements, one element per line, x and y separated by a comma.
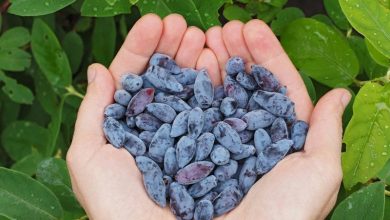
<point>14,59</point>
<point>54,174</point>
<point>268,15</point>
<point>83,24</point>
<point>74,47</point>
<point>348,112</point>
<point>103,40</point>
<point>376,55</point>
<point>285,17</point>
<point>25,198</point>
<point>55,124</point>
<point>49,55</point>
<point>9,111</point>
<point>44,91</point>
<point>309,87</point>
<point>101,8</point>
<point>15,37</point>
<point>3,217</point>
<point>234,12</point>
<point>387,208</point>
<point>323,18</point>
<point>20,137</point>
<point>334,11</point>
<point>200,13</point>
<point>370,19</point>
<point>37,7</point>
<point>365,204</point>
<point>28,164</point>
<point>385,3</point>
<point>366,137</point>
<point>36,113</point>
<point>320,52</point>
<point>276,3</point>
<point>368,65</point>
<point>256,7</point>
<point>16,92</point>
<point>384,174</point>
<point>123,30</point>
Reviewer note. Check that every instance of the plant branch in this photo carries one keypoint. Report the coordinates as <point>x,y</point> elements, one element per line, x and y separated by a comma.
<point>72,91</point>
<point>383,79</point>
<point>387,192</point>
<point>83,217</point>
<point>349,33</point>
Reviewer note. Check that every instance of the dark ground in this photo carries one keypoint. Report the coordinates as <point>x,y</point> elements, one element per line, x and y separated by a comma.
<point>310,7</point>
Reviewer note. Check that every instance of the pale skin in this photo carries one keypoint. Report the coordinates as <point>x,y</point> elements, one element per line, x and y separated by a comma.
<point>304,185</point>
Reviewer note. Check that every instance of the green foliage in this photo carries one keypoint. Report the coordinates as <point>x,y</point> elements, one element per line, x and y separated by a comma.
<point>34,200</point>
<point>333,9</point>
<point>307,42</point>
<point>16,92</point>
<point>384,174</point>
<point>367,65</point>
<point>105,8</point>
<point>201,13</point>
<point>54,174</point>
<point>103,40</point>
<point>234,12</point>
<point>12,58</point>
<point>285,17</point>
<point>367,203</point>
<point>74,49</point>
<point>37,7</point>
<point>46,47</point>
<point>49,55</point>
<point>366,137</point>
<point>371,19</point>
<point>376,55</point>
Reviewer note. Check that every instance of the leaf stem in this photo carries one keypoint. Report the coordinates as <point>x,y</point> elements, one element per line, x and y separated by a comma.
<point>72,91</point>
<point>383,79</point>
<point>387,192</point>
<point>349,33</point>
<point>83,217</point>
<point>55,125</point>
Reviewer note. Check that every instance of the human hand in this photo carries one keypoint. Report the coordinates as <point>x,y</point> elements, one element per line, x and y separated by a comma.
<point>106,180</point>
<point>305,184</point>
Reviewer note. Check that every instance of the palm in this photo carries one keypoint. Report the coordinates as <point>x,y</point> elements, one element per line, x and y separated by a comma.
<point>107,181</point>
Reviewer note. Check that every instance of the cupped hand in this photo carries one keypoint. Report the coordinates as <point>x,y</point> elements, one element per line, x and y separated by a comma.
<point>106,180</point>
<point>305,184</point>
<point>109,185</point>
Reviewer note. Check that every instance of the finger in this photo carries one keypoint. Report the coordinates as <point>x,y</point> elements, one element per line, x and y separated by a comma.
<point>139,45</point>
<point>190,48</point>
<point>215,42</point>
<point>88,134</point>
<point>208,60</point>
<point>267,51</point>
<point>325,132</point>
<point>232,34</point>
<point>174,27</point>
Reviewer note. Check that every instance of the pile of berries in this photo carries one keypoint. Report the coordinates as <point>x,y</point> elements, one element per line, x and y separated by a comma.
<point>200,147</point>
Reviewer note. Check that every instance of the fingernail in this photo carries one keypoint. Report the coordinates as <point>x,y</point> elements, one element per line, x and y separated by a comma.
<point>91,74</point>
<point>345,98</point>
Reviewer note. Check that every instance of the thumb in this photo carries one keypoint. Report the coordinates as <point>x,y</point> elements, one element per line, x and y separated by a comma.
<point>88,134</point>
<point>325,132</point>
